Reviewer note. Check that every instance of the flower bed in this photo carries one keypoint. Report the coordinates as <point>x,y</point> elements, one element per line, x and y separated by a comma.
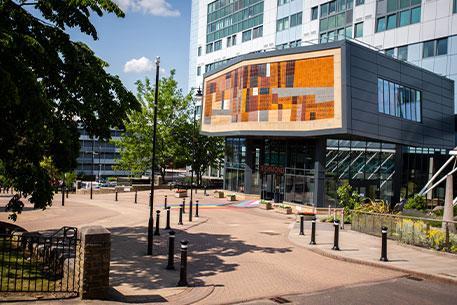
<point>266,205</point>
<point>231,197</point>
<point>283,208</point>
<point>218,194</point>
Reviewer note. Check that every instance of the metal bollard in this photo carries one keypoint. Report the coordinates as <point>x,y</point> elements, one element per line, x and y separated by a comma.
<point>313,231</point>
<point>136,196</point>
<point>183,268</point>
<point>180,216</point>
<point>165,205</point>
<point>384,245</point>
<point>91,192</point>
<point>205,191</point>
<point>302,225</point>
<point>171,251</point>
<point>63,194</point>
<point>167,226</point>
<point>157,231</point>
<point>184,206</point>
<point>196,208</point>
<point>336,239</point>
<point>115,198</point>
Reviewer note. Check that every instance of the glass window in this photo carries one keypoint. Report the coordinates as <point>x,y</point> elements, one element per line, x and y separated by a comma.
<point>454,10</point>
<point>402,102</point>
<point>412,102</point>
<point>386,97</point>
<point>331,22</point>
<point>381,24</point>
<point>416,2</point>
<point>323,24</point>
<point>324,38</point>
<point>341,34</point>
<point>416,15</point>
<point>257,32</point>
<point>332,7</point>
<point>209,48</point>
<point>404,3</point>
<point>348,31</point>
<point>407,95</point>
<point>246,36</point>
<point>218,45</point>
<point>314,11</point>
<point>391,21</point>
<point>402,53</point>
<point>358,30</point>
<point>296,19</point>
<point>199,51</point>
<point>391,5</point>
<point>199,70</point>
<point>331,36</point>
<point>405,17</point>
<point>418,107</point>
<point>441,46</point>
<point>428,49</point>
<point>390,52</point>
<point>340,19</point>
<point>324,10</point>
<point>392,106</point>
<point>397,101</point>
<point>359,2</point>
<point>380,96</point>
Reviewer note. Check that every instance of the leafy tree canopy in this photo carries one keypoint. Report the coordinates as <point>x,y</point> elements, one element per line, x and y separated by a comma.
<point>48,85</point>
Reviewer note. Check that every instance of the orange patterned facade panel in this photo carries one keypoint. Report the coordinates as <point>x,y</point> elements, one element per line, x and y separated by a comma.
<point>282,91</point>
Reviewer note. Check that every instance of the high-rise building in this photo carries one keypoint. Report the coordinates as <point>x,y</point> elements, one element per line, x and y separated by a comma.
<point>421,32</point>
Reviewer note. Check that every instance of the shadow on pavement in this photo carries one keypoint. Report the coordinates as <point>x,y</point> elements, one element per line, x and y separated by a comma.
<point>132,270</point>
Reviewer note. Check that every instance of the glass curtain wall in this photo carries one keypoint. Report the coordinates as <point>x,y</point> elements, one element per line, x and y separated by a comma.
<point>235,156</point>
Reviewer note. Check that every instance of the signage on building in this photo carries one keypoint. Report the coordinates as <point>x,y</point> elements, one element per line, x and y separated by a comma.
<point>272,169</point>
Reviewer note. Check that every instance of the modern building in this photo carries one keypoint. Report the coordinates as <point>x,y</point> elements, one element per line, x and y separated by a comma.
<point>423,32</point>
<point>300,121</point>
<point>96,157</point>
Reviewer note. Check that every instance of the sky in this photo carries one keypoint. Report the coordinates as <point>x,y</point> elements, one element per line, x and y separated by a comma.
<point>150,28</point>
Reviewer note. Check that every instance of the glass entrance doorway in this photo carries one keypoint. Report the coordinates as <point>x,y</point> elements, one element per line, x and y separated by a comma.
<point>366,188</point>
<point>273,187</point>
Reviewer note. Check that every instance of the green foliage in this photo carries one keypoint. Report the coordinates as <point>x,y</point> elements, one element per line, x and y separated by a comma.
<point>348,198</point>
<point>417,202</point>
<point>178,137</point>
<point>370,206</point>
<point>50,84</point>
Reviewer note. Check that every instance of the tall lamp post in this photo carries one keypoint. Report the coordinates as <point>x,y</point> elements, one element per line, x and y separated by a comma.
<point>154,140</point>
<point>197,95</point>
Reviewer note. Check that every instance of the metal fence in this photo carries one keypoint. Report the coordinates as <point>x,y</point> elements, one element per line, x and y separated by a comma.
<point>31,262</point>
<point>418,231</point>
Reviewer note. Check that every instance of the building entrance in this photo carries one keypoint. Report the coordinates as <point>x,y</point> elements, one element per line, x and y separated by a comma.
<point>273,187</point>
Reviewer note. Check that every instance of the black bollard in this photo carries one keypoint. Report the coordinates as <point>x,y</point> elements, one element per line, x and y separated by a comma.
<point>384,245</point>
<point>167,226</point>
<point>115,198</point>
<point>166,202</point>
<point>302,225</point>
<point>171,251</point>
<point>136,196</point>
<point>184,206</point>
<point>205,191</point>
<point>180,216</point>
<point>313,231</point>
<point>157,231</point>
<point>63,194</point>
<point>91,192</point>
<point>336,224</point>
<point>196,208</point>
<point>183,269</point>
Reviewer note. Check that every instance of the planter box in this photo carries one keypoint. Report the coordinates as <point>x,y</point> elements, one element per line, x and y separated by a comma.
<point>231,197</point>
<point>181,194</point>
<point>218,194</point>
<point>267,206</point>
<point>286,211</point>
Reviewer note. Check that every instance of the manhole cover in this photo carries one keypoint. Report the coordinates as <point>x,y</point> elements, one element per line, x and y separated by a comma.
<point>279,300</point>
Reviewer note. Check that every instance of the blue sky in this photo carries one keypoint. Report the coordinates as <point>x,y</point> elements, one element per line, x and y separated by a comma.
<point>151,28</point>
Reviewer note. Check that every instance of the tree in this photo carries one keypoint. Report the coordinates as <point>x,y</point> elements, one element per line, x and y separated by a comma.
<point>136,142</point>
<point>48,85</point>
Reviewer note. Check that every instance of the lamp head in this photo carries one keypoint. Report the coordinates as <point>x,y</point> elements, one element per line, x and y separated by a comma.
<point>157,60</point>
<point>199,92</point>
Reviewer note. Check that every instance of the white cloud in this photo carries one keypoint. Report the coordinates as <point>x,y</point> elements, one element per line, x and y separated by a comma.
<point>152,7</point>
<point>140,65</point>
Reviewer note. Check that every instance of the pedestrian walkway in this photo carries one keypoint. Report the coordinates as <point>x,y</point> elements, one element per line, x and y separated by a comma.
<point>366,249</point>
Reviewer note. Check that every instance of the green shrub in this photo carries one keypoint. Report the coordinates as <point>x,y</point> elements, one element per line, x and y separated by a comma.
<point>348,198</point>
<point>417,202</point>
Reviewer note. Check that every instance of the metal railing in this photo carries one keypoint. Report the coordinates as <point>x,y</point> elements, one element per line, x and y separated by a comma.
<point>31,262</point>
<point>419,231</point>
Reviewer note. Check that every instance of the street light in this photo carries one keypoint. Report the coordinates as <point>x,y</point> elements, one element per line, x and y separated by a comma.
<point>153,161</point>
<point>197,95</point>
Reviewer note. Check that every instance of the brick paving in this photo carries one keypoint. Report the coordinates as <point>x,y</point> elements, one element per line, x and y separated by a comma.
<point>235,254</point>
<point>366,249</point>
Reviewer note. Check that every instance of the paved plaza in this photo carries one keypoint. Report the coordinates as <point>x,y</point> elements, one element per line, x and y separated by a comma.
<point>236,254</point>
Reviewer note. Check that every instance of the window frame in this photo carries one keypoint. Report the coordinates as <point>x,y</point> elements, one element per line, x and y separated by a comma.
<point>356,35</point>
